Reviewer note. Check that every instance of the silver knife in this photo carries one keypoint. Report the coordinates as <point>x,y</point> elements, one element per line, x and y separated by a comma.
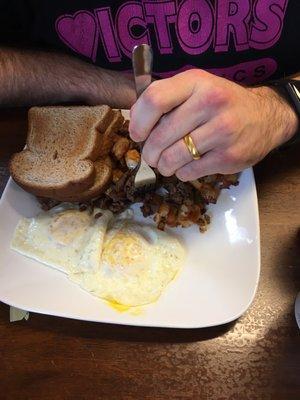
<point>142,59</point>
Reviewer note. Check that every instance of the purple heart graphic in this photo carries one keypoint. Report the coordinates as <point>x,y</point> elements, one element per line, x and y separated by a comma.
<point>79,32</point>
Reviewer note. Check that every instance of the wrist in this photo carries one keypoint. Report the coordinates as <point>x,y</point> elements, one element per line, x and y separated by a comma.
<point>282,116</point>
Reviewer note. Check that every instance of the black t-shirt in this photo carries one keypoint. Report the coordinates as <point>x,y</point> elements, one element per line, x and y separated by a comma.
<point>248,41</point>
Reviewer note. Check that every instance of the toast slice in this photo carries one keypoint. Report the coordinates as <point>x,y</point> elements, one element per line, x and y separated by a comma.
<point>103,176</point>
<point>51,178</point>
<point>62,145</point>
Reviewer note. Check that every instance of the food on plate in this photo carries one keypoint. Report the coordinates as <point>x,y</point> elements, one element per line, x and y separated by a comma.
<point>172,203</point>
<point>129,264</point>
<point>84,155</point>
<point>66,156</point>
<point>138,262</point>
<point>103,173</point>
<point>80,163</point>
<point>64,237</point>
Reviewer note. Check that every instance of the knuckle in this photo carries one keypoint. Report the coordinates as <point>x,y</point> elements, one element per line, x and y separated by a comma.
<point>161,135</point>
<point>171,125</point>
<point>210,96</point>
<point>194,169</point>
<point>186,175</point>
<point>190,74</point>
<point>194,73</point>
<point>157,138</point>
<point>152,148</point>
<point>152,97</point>
<point>216,96</point>
<point>149,155</point>
<point>226,124</point>
<point>199,101</point>
<point>149,159</point>
<point>166,162</point>
<point>163,130</point>
<point>181,176</point>
<point>188,172</point>
<point>155,85</point>
<point>231,157</point>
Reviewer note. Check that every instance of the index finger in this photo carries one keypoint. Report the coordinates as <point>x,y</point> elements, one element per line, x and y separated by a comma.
<point>158,99</point>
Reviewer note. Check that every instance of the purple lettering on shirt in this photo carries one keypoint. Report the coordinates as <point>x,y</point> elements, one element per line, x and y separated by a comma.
<point>161,14</point>
<point>249,72</point>
<point>79,32</point>
<point>131,15</point>
<point>268,23</point>
<point>106,31</point>
<point>233,19</point>
<point>243,23</point>
<point>195,22</point>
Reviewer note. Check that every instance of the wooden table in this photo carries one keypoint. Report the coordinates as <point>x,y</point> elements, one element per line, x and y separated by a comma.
<point>257,357</point>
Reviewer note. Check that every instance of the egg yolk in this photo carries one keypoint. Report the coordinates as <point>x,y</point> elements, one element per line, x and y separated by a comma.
<point>66,226</point>
<point>123,249</point>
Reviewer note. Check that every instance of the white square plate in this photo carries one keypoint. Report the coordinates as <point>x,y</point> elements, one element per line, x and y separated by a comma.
<point>217,284</point>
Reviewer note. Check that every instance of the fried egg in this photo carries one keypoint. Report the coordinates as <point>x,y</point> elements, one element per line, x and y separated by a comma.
<point>137,263</point>
<point>64,238</point>
<point>123,262</point>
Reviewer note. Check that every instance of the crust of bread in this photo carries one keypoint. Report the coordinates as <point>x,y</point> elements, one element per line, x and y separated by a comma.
<point>103,168</point>
<point>62,146</point>
<point>71,131</point>
<point>29,171</point>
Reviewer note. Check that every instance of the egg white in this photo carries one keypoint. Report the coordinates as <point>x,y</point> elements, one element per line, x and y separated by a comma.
<point>64,238</point>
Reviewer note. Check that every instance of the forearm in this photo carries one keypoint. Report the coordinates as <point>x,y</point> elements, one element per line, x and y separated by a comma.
<point>35,78</point>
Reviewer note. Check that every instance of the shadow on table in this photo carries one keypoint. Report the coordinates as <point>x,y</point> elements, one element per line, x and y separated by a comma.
<point>101,331</point>
<point>290,262</point>
<point>287,266</point>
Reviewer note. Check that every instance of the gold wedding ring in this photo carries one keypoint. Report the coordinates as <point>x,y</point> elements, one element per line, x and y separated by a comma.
<point>191,147</point>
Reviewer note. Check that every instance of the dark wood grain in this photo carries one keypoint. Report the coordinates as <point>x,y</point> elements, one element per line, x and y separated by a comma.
<point>257,357</point>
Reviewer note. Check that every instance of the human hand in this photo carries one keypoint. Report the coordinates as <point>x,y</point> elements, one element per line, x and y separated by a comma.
<point>232,127</point>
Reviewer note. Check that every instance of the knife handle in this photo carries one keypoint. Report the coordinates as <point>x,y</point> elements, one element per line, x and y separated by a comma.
<point>142,61</point>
